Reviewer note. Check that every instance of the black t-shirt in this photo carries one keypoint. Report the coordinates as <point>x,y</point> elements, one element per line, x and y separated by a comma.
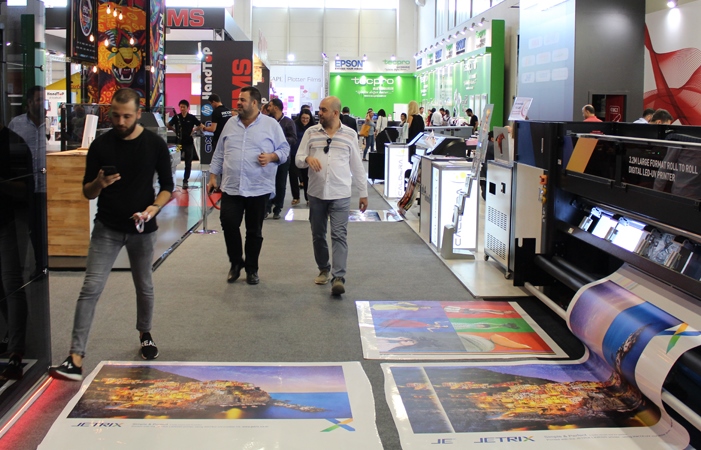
<point>220,116</point>
<point>183,127</point>
<point>473,121</point>
<point>136,161</point>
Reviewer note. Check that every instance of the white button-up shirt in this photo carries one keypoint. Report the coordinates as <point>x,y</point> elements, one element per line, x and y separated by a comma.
<point>341,168</point>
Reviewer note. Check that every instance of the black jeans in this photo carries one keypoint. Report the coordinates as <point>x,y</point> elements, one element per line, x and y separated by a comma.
<point>233,209</point>
<point>275,204</point>
<point>188,153</point>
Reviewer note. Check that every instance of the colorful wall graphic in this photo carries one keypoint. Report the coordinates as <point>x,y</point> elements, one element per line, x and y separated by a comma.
<point>157,53</point>
<point>225,405</point>
<point>611,399</point>
<point>121,49</point>
<point>673,62</point>
<point>450,330</point>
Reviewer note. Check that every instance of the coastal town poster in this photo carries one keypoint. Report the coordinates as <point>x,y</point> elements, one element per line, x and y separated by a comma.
<point>411,330</point>
<point>611,399</point>
<point>258,405</point>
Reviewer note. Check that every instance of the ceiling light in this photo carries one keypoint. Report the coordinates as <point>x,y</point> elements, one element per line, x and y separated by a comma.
<point>338,57</point>
<point>323,55</point>
<point>472,27</point>
<point>464,30</point>
<point>393,58</point>
<point>365,57</point>
<point>291,57</point>
<point>672,4</point>
<point>200,55</point>
<point>481,22</point>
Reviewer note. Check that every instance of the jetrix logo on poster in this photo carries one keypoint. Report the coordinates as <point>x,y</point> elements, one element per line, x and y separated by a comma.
<point>502,439</point>
<point>372,81</point>
<point>349,64</point>
<point>207,73</point>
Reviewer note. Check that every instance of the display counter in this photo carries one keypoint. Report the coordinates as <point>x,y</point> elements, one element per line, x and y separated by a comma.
<point>447,181</point>
<point>396,164</point>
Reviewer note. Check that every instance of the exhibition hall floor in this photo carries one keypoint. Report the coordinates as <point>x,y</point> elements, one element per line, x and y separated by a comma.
<point>201,319</point>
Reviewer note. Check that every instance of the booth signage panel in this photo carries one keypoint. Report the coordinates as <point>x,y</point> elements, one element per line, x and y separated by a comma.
<point>403,65</point>
<point>396,164</point>
<point>362,91</point>
<point>296,86</point>
<point>84,27</point>
<point>195,18</point>
<point>226,68</point>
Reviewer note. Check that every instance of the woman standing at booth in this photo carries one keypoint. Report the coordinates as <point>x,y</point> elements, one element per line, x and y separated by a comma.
<point>415,121</point>
<point>370,139</point>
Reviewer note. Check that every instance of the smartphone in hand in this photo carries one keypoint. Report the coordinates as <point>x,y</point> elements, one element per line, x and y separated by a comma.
<point>109,170</point>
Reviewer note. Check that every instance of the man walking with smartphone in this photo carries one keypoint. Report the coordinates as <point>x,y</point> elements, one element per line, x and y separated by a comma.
<point>126,211</point>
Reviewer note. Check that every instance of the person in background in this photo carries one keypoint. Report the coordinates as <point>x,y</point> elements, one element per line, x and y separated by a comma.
<point>381,137</point>
<point>370,139</point>
<point>446,117</point>
<point>436,118</point>
<point>347,120</point>
<point>119,172</point>
<point>220,116</point>
<point>298,176</point>
<point>474,121</point>
<point>415,121</point>
<point>252,146</point>
<point>184,125</point>
<point>276,202</point>
<point>647,115</point>
<point>331,151</point>
<point>589,114</point>
<point>405,128</point>
<point>661,116</point>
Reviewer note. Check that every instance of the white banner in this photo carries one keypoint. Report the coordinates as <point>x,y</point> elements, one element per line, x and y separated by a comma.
<point>165,405</point>
<point>297,86</point>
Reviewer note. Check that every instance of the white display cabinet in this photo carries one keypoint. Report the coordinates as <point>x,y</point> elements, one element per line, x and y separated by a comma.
<point>396,164</point>
<point>447,181</point>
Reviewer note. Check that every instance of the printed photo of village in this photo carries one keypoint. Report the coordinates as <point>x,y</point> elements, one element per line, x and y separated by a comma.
<point>215,392</point>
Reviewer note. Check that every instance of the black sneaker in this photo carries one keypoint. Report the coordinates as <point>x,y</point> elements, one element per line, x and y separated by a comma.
<point>13,369</point>
<point>148,347</point>
<point>185,185</point>
<point>66,371</point>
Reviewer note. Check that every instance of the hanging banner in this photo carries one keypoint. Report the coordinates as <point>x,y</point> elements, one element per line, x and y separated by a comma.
<point>84,31</point>
<point>450,330</point>
<point>226,68</point>
<point>163,406</point>
<point>613,399</point>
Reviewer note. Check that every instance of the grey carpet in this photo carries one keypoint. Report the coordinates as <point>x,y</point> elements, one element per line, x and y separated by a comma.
<point>286,318</point>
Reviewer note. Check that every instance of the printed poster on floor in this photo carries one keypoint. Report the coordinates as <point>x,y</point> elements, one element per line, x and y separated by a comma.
<point>612,399</point>
<point>168,405</point>
<point>412,330</point>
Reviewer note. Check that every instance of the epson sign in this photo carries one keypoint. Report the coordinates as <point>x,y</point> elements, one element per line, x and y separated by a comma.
<point>349,63</point>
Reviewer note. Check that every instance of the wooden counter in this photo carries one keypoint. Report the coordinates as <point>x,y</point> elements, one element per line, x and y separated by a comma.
<point>69,213</point>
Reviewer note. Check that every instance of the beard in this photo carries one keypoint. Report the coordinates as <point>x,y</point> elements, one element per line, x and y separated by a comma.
<point>125,132</point>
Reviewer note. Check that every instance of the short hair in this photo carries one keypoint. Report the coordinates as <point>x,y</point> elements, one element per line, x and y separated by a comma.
<point>33,90</point>
<point>253,92</point>
<point>590,109</point>
<point>662,115</point>
<point>433,110</point>
<point>184,102</point>
<point>346,110</point>
<point>468,110</point>
<point>126,95</point>
<point>214,98</point>
<point>276,102</point>
<point>648,112</point>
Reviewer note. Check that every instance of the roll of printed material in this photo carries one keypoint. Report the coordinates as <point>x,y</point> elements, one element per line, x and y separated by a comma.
<point>89,130</point>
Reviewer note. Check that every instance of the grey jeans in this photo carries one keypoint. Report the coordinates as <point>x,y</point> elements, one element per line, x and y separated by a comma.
<point>336,213</point>
<point>105,245</point>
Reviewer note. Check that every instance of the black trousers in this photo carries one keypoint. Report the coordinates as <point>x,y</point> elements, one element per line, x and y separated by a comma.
<point>188,154</point>
<point>298,175</point>
<point>275,204</point>
<point>233,210</point>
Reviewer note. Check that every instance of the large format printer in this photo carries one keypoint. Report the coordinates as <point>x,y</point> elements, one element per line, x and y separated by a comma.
<point>614,195</point>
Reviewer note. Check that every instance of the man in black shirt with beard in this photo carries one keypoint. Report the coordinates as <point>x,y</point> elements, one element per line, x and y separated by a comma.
<point>220,116</point>
<point>184,124</point>
<point>119,173</point>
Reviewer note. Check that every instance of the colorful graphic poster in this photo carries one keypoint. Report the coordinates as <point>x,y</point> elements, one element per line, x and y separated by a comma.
<point>84,31</point>
<point>450,331</point>
<point>612,399</point>
<point>364,216</point>
<point>184,405</point>
<point>157,53</point>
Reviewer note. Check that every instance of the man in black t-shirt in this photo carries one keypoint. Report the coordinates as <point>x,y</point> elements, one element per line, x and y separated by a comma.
<point>220,116</point>
<point>119,172</point>
<point>184,125</point>
<point>474,120</point>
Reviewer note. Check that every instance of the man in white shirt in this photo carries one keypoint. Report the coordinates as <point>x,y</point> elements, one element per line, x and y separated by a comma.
<point>330,150</point>
<point>436,118</point>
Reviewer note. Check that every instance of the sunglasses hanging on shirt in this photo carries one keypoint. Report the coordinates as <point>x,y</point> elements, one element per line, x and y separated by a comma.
<point>328,145</point>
